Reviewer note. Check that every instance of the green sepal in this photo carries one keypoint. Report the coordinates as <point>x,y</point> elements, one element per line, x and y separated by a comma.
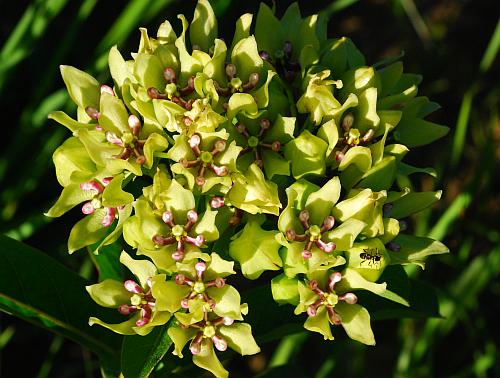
<point>142,269</point>
<point>148,71</point>
<point>168,295</point>
<point>117,66</point>
<point>67,121</point>
<point>246,58</point>
<point>180,337</point>
<point>242,29</point>
<point>189,65</point>
<point>256,250</point>
<point>369,258</point>
<point>154,143</point>
<point>342,55</point>
<point>320,203</point>
<point>344,235</point>
<point>415,132</point>
<point>319,323</point>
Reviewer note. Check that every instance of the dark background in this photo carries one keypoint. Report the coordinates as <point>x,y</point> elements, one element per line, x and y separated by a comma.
<point>451,42</point>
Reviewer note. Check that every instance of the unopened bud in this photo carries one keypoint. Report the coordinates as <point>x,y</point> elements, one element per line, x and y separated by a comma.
<point>192,216</point>
<point>219,343</point>
<point>194,141</point>
<point>348,121</point>
<point>220,282</point>
<point>349,298</point>
<point>132,287</point>
<point>311,310</point>
<point>230,70</point>
<point>167,217</point>
<point>169,75</point>
<point>200,267</point>
<point>217,202</point>
<point>92,112</point>
<point>87,208</point>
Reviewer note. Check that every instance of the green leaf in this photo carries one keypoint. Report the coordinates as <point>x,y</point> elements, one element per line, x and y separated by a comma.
<point>413,203</point>
<point>53,297</point>
<point>414,249</point>
<point>414,132</point>
<point>140,354</point>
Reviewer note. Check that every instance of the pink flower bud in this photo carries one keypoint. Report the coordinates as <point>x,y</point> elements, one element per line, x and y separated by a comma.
<point>219,343</point>
<point>220,171</point>
<point>113,138</point>
<point>194,141</point>
<point>311,311</point>
<point>200,267</point>
<point>107,89</point>
<point>126,309</point>
<point>109,217</point>
<point>349,298</point>
<point>227,321</point>
<point>219,282</point>
<point>132,287</point>
<point>92,185</point>
<point>185,303</point>
<point>167,217</point>
<point>216,202</point>
<point>306,254</point>
<point>87,208</point>
<point>192,216</point>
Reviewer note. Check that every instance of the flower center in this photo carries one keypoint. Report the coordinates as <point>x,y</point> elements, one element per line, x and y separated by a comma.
<point>178,230</point>
<point>332,299</point>
<point>315,232</point>
<point>209,331</point>
<point>199,287</point>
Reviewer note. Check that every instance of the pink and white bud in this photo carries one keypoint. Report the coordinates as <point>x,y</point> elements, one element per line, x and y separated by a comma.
<point>306,254</point>
<point>200,180</point>
<point>200,268</point>
<point>219,282</point>
<point>217,202</point>
<point>132,287</point>
<point>125,309</point>
<point>168,217</point>
<point>197,241</point>
<point>219,343</point>
<point>220,145</point>
<point>180,279</point>
<point>106,180</point>
<point>328,223</point>
<point>134,124</point>
<point>333,316</point>
<point>276,146</point>
<point>178,255</point>
<point>192,216</point>
<point>87,208</point>
<point>194,141</point>
<point>326,247</point>
<point>107,89</point>
<point>113,138</point>
<point>349,298</point>
<point>220,171</point>
<point>98,127</point>
<point>195,346</point>
<point>92,112</point>
<point>311,310</point>
<point>185,303</point>
<point>92,185</point>
<point>109,217</point>
<point>290,235</point>
<point>333,279</point>
<point>227,321</point>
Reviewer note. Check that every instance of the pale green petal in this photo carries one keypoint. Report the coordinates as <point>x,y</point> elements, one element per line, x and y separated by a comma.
<point>320,203</point>
<point>218,267</point>
<point>228,301</point>
<point>109,293</point>
<point>70,196</point>
<point>245,56</point>
<point>125,328</point>
<point>320,323</point>
<point>180,337</point>
<point>71,157</point>
<point>83,89</point>
<point>352,280</point>
<point>117,66</point>
<point>356,322</point>
<point>206,225</point>
<point>239,338</point>
<point>114,195</point>
<point>344,235</point>
<point>168,294</point>
<point>307,154</point>
<point>114,115</point>
<point>87,231</point>
<point>203,28</point>
<point>285,289</point>
<point>159,318</point>
<point>207,360</point>
<point>142,269</point>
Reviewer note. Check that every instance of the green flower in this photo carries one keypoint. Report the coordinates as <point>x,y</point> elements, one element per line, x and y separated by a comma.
<point>327,300</point>
<point>221,332</point>
<point>131,298</point>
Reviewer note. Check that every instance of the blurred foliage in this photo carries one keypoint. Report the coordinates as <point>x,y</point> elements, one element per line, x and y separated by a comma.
<point>453,43</point>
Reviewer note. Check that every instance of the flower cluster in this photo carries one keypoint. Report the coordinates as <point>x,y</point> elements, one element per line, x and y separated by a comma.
<point>284,141</point>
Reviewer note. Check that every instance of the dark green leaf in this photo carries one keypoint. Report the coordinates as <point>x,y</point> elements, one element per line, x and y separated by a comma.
<point>140,354</point>
<point>42,291</point>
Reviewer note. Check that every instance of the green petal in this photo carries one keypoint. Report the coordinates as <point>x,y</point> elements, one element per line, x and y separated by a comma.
<point>218,267</point>
<point>109,293</point>
<point>179,201</point>
<point>168,294</point>
<point>123,214</point>
<point>207,360</point>
<point>342,55</point>
<point>239,338</point>
<point>352,280</point>
<point>367,266</point>
<point>285,289</point>
<point>242,29</point>
<point>70,196</point>
<point>148,71</point>
<point>228,301</point>
<point>206,225</point>
<point>330,134</point>
<point>114,115</point>
<point>319,323</point>
<point>245,56</point>
<point>154,143</point>
<point>344,235</point>
<point>307,154</point>
<point>274,164</point>
<point>159,318</point>
<point>242,103</point>
<point>114,195</point>
<point>356,322</point>
<point>71,157</point>
<point>117,66</point>
<point>83,89</point>
<point>256,250</point>
<point>320,203</point>
<point>142,269</point>
<point>189,65</point>
<point>180,337</point>
<point>67,121</point>
<point>87,231</point>
<point>268,30</point>
<point>124,328</point>
<point>358,156</point>
<point>203,28</point>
